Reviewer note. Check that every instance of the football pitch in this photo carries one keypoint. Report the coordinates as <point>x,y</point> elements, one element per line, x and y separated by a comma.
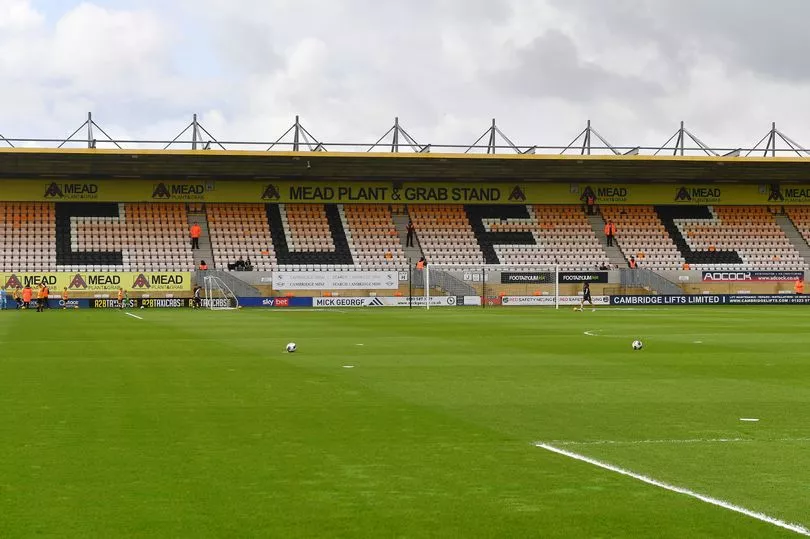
<point>453,422</point>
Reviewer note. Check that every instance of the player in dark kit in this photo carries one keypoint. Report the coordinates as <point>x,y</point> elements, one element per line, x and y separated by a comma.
<point>586,296</point>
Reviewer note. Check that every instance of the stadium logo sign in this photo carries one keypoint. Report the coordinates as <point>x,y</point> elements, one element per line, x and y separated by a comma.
<point>583,277</point>
<point>271,192</point>
<point>72,191</point>
<point>340,302</point>
<point>276,302</point>
<point>698,194</point>
<point>179,191</point>
<point>759,276</point>
<point>32,280</point>
<point>112,303</point>
<point>77,282</point>
<point>164,281</point>
<point>517,195</point>
<point>775,194</point>
<point>13,282</point>
<point>789,194</point>
<point>607,193</point>
<point>163,303</point>
<point>141,281</point>
<point>728,276</point>
<point>523,278</point>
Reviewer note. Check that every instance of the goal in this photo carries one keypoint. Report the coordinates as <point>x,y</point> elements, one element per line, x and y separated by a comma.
<point>493,285</point>
<point>218,296</point>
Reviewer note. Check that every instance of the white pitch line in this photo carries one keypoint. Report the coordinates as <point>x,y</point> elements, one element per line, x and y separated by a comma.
<point>134,316</point>
<point>591,333</point>
<point>675,441</point>
<point>659,442</point>
<point>796,528</point>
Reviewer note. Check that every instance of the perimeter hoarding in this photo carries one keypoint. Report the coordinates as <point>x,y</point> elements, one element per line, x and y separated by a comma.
<point>313,191</point>
<point>142,282</point>
<point>711,299</point>
<point>336,280</point>
<point>750,276</point>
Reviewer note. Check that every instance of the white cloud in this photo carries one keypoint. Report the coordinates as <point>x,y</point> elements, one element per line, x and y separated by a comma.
<point>445,67</point>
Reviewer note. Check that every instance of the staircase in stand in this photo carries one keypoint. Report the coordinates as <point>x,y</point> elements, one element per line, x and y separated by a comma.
<point>614,254</point>
<point>795,237</point>
<point>196,214</point>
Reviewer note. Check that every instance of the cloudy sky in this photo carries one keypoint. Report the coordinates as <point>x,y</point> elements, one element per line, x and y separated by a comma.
<point>445,67</point>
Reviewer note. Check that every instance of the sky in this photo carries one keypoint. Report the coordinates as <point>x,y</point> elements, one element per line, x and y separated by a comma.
<point>446,68</point>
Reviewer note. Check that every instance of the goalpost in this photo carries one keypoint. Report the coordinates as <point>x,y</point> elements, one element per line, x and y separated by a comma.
<point>218,295</point>
<point>503,284</point>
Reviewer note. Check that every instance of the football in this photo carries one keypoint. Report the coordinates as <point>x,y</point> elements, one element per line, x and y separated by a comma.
<point>638,345</point>
<point>291,347</point>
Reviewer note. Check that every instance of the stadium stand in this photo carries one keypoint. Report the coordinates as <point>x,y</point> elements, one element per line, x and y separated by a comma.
<point>309,233</point>
<point>445,234</point>
<point>517,235</point>
<point>27,237</point>
<point>122,237</point>
<point>642,235</point>
<point>800,216</point>
<point>240,231</point>
<point>372,236</point>
<point>705,238</point>
<point>751,232</point>
<point>68,236</point>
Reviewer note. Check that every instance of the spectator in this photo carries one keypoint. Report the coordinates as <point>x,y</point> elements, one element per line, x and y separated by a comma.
<point>411,229</point>
<point>195,233</point>
<point>610,232</point>
<point>203,265</point>
<point>421,264</point>
<point>633,264</point>
<point>248,264</point>
<point>388,255</point>
<point>590,202</point>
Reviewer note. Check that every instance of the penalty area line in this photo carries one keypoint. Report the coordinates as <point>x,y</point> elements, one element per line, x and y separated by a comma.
<point>134,316</point>
<point>796,528</point>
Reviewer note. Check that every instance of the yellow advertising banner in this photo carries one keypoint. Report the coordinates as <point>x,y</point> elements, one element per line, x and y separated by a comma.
<point>143,282</point>
<point>398,192</point>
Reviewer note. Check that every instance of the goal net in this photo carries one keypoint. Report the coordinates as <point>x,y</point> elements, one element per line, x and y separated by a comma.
<point>218,296</point>
<point>494,285</point>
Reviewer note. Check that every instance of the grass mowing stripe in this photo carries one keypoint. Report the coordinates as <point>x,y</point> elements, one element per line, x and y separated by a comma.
<point>796,528</point>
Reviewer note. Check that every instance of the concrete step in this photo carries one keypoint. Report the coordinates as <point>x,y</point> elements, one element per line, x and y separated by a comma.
<point>411,253</point>
<point>795,237</point>
<point>614,254</point>
<point>205,252</point>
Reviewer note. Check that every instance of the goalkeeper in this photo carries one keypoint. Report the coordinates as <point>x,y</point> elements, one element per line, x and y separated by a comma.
<point>197,301</point>
<point>586,296</point>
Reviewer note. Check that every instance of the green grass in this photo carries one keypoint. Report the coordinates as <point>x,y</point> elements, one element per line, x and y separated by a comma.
<point>196,424</point>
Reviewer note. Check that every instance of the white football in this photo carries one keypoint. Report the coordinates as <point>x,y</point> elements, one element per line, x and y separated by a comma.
<point>638,345</point>
<point>291,347</point>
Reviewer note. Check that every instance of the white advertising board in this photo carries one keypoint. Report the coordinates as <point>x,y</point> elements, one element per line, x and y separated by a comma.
<point>336,280</point>
<point>416,301</point>
<point>549,300</point>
